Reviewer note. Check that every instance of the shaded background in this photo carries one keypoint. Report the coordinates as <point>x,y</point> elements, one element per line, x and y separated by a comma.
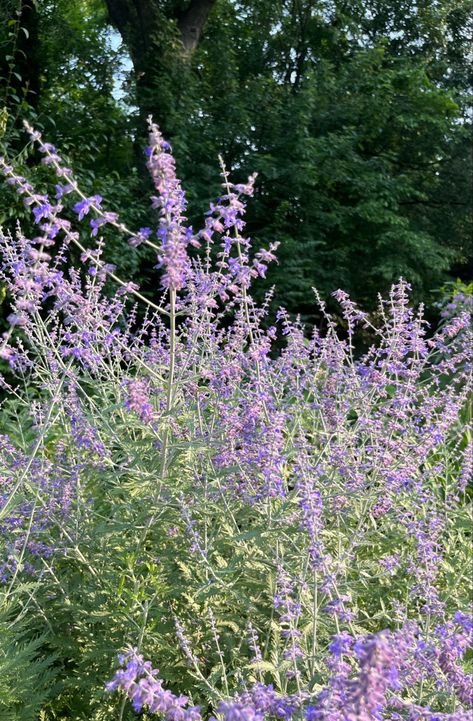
<point>355,114</point>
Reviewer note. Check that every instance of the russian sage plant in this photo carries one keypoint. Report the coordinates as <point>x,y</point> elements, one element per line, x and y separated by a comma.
<point>280,523</point>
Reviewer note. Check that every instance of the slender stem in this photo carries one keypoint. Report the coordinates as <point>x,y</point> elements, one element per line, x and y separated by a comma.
<point>170,383</point>
<point>172,349</point>
<point>314,623</point>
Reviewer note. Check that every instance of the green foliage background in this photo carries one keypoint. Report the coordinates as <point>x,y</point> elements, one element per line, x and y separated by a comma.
<point>354,114</point>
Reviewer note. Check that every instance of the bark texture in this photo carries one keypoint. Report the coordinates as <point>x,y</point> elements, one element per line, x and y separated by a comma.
<point>134,19</point>
<point>161,44</point>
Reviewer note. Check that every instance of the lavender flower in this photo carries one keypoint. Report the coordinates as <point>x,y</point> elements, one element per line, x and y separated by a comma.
<point>83,206</point>
<point>138,680</point>
<point>138,399</point>
<point>171,204</point>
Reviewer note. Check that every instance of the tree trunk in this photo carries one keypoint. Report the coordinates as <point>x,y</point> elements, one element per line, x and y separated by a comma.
<point>192,21</point>
<point>160,46</point>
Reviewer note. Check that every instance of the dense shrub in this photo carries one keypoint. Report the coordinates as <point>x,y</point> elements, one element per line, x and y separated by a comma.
<point>283,526</point>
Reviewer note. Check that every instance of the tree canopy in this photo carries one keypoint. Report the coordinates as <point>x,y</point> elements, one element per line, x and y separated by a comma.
<point>354,113</point>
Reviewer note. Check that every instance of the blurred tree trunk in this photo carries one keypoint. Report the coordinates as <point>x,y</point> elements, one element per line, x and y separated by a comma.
<point>161,42</point>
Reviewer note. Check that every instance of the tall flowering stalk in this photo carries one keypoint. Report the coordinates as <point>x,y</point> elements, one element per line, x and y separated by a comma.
<point>174,237</point>
<point>171,204</point>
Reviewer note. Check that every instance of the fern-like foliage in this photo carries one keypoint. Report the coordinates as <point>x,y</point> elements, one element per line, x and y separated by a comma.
<point>27,673</point>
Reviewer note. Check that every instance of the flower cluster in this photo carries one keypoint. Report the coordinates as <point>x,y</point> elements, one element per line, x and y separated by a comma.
<point>369,677</point>
<point>138,679</point>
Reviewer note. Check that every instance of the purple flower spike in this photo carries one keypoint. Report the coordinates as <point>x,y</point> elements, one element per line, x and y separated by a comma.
<point>171,204</point>
<point>138,680</point>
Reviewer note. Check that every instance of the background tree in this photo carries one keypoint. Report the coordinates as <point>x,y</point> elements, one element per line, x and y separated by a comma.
<point>353,112</point>
<point>161,37</point>
<point>20,64</point>
<point>353,132</point>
